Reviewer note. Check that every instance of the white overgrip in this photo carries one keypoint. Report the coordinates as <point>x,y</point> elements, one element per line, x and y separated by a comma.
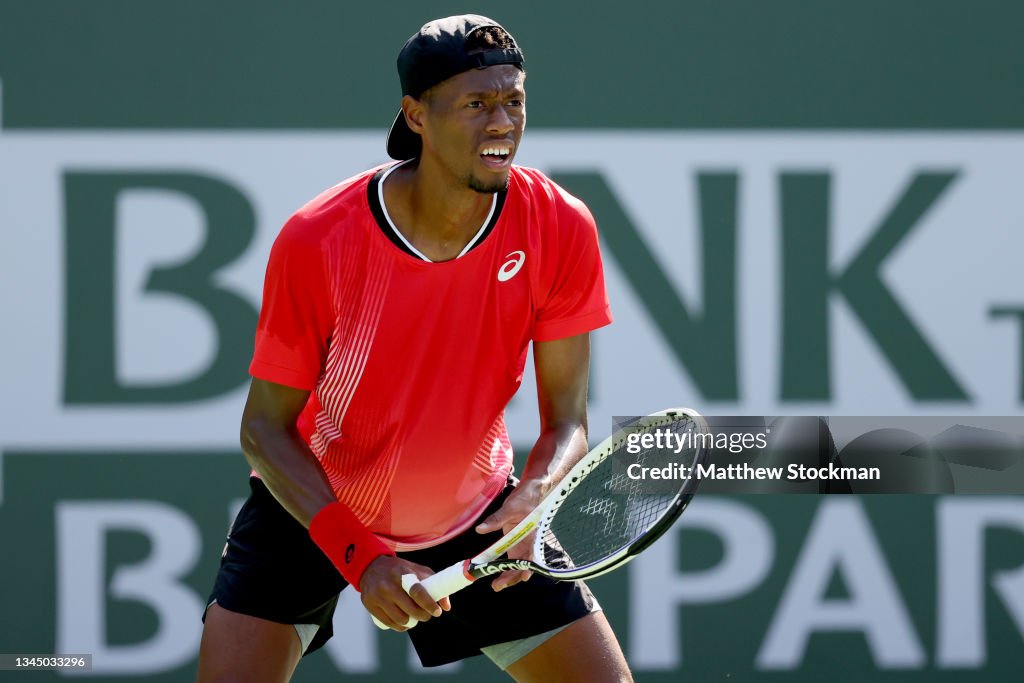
<point>440,585</point>
<point>445,582</point>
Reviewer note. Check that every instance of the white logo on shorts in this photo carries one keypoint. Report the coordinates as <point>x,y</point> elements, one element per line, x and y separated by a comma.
<point>509,269</point>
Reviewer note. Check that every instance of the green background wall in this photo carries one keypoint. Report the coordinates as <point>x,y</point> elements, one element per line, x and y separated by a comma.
<point>737,64</point>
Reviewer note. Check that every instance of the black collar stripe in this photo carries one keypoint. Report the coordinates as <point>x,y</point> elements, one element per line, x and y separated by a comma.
<point>385,226</point>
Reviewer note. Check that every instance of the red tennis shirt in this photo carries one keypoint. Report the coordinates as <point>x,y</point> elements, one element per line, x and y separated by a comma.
<point>411,363</point>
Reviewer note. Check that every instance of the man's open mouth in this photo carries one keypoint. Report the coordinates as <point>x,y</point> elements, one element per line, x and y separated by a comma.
<point>496,155</point>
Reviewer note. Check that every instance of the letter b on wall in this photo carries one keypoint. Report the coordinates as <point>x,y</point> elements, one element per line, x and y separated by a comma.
<point>91,340</point>
<point>156,581</point>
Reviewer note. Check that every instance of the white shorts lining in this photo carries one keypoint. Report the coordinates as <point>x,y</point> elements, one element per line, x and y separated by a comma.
<point>306,633</point>
<point>505,655</point>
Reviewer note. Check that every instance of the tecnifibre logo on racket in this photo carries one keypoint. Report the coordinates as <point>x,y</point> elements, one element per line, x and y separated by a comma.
<point>509,269</point>
<point>492,568</point>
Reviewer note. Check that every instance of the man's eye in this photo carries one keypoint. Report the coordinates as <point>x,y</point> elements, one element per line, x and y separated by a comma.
<point>515,103</point>
<point>475,104</point>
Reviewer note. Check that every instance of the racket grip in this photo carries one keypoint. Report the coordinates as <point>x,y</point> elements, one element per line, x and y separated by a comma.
<point>447,581</point>
<point>440,585</point>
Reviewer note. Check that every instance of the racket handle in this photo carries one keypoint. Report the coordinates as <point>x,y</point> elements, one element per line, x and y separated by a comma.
<point>440,585</point>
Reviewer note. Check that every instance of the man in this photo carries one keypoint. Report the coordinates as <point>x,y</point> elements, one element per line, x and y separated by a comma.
<point>398,308</point>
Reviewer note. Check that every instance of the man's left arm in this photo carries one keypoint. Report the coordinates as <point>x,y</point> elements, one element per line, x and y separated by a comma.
<point>562,367</point>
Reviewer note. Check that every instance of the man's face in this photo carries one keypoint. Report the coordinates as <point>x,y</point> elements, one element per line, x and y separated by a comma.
<point>473,122</point>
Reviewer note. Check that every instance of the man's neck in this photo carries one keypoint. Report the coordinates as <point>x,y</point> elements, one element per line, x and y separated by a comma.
<point>432,212</point>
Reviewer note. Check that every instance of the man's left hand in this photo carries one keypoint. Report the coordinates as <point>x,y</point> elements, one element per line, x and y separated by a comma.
<point>520,503</point>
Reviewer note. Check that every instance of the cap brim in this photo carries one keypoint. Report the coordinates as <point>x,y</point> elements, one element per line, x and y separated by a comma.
<point>403,143</point>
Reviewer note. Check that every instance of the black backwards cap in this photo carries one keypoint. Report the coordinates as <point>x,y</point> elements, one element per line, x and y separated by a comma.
<point>434,54</point>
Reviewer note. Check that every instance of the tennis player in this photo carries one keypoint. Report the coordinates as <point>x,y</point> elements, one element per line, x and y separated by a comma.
<point>398,308</point>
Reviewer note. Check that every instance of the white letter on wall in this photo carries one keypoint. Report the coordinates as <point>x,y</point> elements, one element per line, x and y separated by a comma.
<point>657,588</point>
<point>961,581</point>
<point>82,529</point>
<point>841,540</point>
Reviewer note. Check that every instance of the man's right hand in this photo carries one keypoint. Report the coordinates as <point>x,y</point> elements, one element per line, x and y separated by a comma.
<point>383,596</point>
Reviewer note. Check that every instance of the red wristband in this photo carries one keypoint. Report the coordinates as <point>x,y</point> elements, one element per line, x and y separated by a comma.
<point>346,542</point>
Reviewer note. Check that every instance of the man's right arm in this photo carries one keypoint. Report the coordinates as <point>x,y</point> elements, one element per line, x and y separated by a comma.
<point>276,451</point>
<point>274,448</point>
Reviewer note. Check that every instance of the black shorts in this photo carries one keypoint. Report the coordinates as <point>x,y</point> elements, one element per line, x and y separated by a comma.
<point>272,569</point>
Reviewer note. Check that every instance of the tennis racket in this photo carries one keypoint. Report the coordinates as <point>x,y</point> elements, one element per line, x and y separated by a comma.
<point>603,513</point>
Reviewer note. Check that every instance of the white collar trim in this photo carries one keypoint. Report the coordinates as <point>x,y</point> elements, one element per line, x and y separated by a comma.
<point>391,223</point>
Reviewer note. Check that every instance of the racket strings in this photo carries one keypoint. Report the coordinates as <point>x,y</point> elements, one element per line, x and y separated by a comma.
<point>614,505</point>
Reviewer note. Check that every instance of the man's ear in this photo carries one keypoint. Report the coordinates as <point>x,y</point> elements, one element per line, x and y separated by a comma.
<point>414,110</point>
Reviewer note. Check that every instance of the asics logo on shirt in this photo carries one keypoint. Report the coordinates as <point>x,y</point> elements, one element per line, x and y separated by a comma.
<point>509,268</point>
